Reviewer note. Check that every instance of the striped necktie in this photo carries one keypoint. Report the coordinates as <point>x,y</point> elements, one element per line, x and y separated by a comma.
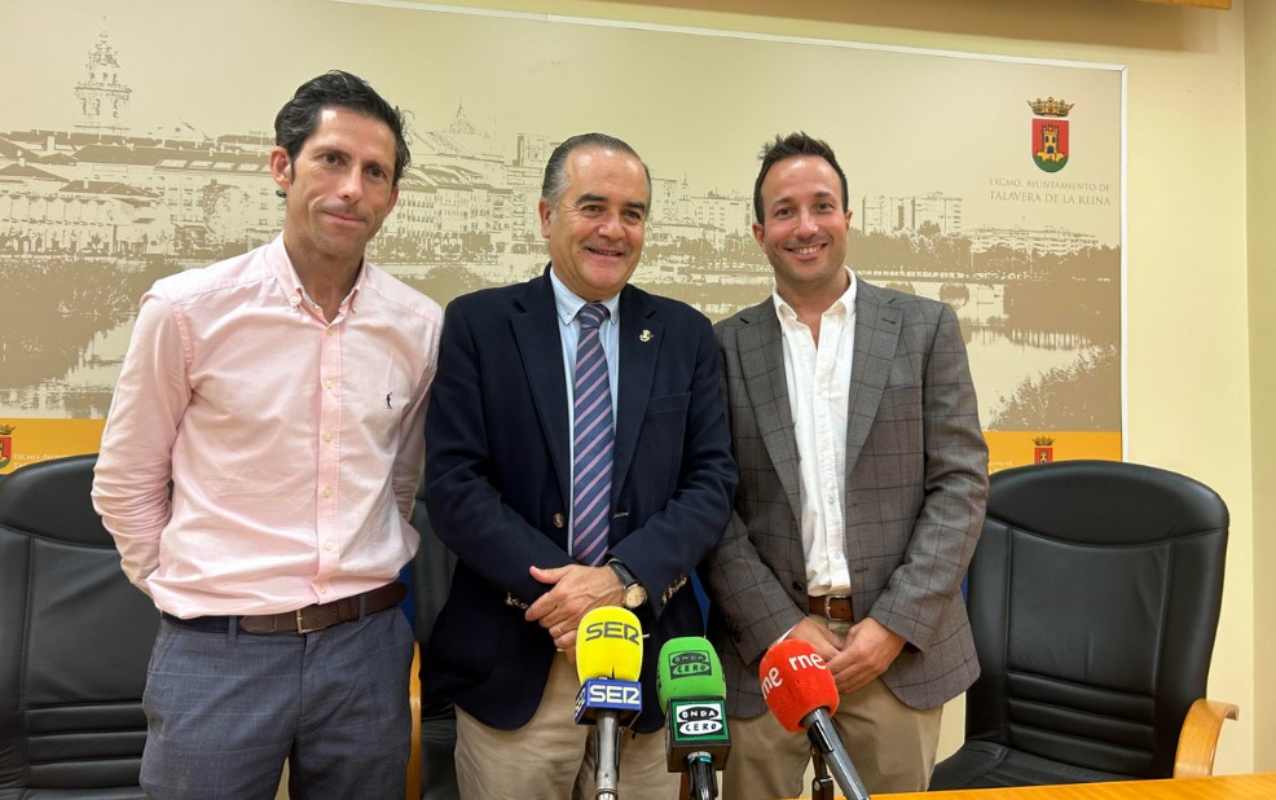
<point>591,486</point>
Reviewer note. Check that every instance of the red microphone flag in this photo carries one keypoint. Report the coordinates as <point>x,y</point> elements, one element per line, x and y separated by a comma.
<point>795,682</point>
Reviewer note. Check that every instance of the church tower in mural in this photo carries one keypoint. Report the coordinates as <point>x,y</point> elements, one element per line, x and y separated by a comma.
<point>102,97</point>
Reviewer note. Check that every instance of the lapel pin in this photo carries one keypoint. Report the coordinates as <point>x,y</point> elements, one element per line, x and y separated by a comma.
<point>645,336</point>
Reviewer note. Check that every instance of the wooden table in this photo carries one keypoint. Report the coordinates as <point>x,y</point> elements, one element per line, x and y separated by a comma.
<point>1221,787</point>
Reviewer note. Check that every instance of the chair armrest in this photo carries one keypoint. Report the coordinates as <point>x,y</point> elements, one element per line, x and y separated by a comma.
<point>1198,738</point>
<point>414,705</point>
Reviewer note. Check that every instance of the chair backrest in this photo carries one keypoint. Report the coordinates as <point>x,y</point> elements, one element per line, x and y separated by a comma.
<point>1094,597</point>
<point>432,576</point>
<point>75,638</point>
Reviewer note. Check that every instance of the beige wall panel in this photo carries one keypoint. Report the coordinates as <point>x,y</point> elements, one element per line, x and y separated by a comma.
<point>1260,106</point>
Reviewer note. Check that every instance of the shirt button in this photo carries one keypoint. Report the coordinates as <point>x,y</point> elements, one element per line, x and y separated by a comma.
<point>326,492</point>
<point>329,545</point>
<point>328,383</point>
<point>327,437</point>
<point>330,331</point>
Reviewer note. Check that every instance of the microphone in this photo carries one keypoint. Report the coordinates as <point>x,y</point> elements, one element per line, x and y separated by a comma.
<point>801,693</point>
<point>693,694</point>
<point>608,663</point>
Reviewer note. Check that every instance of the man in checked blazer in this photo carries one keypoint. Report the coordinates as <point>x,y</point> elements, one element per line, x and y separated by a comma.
<point>863,479</point>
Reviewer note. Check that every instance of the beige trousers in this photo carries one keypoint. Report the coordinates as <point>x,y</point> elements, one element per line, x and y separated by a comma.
<point>891,745</point>
<point>551,757</point>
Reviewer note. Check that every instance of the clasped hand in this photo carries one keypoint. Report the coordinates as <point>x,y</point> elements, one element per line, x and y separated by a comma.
<point>577,589</point>
<point>857,659</point>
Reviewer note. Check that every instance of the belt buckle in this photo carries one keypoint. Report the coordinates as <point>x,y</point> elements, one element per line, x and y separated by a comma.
<point>301,627</point>
<point>830,598</point>
<point>826,604</point>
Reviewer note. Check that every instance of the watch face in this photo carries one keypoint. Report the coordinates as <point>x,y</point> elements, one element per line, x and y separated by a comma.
<point>635,596</point>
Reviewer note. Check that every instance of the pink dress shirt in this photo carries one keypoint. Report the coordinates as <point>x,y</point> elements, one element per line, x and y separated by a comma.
<point>294,445</point>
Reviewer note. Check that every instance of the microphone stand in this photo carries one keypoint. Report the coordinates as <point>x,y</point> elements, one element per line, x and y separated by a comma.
<point>699,781</point>
<point>607,772</point>
<point>821,784</point>
<point>832,754</point>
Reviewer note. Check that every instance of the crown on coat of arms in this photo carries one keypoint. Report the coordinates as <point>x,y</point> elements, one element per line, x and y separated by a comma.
<point>1042,441</point>
<point>5,430</point>
<point>1050,107</point>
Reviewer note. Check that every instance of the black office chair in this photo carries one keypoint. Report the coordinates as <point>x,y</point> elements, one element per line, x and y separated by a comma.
<point>433,579</point>
<point>75,638</point>
<point>1094,599</point>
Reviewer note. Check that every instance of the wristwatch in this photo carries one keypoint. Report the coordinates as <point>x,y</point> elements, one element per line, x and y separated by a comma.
<point>634,595</point>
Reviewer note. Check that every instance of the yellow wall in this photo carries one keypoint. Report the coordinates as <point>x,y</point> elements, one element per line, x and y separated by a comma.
<point>1260,93</point>
<point>1189,338</point>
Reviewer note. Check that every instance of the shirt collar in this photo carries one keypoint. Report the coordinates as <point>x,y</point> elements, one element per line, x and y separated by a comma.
<point>568,304</point>
<point>286,274</point>
<point>846,301</point>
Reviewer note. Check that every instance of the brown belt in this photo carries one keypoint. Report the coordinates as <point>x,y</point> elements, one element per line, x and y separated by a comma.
<point>325,615</point>
<point>831,606</point>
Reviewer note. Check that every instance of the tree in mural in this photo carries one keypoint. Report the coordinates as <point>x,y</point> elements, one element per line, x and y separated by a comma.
<point>1076,397</point>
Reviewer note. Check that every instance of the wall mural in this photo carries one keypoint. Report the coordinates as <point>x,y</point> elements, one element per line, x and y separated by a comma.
<point>135,146</point>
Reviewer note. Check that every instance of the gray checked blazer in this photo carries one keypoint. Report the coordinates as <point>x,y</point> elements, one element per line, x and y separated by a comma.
<point>917,483</point>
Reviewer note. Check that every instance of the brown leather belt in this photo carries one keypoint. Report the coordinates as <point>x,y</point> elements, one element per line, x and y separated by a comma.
<point>309,619</point>
<point>325,615</point>
<point>831,606</point>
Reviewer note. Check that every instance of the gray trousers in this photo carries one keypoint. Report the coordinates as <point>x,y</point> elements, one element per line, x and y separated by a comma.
<point>224,709</point>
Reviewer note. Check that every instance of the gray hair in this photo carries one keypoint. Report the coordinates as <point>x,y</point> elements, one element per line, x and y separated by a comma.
<point>555,182</point>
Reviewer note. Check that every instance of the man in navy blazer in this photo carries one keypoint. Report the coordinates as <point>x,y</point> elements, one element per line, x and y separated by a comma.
<point>510,464</point>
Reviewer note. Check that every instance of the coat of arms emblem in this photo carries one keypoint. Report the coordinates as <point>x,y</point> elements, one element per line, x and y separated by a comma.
<point>1050,133</point>
<point>1043,452</point>
<point>6,444</point>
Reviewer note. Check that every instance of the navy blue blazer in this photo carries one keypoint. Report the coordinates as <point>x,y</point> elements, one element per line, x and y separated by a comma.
<point>498,490</point>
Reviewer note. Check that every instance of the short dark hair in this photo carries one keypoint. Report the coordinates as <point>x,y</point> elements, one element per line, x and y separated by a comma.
<point>555,181</point>
<point>297,120</point>
<point>795,144</point>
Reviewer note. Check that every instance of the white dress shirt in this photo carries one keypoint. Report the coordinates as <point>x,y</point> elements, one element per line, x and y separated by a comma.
<point>819,380</point>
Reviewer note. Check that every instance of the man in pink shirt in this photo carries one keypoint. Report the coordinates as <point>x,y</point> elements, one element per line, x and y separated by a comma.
<point>258,470</point>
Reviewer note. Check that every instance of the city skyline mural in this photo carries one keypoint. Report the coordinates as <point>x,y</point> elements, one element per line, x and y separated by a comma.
<point>138,151</point>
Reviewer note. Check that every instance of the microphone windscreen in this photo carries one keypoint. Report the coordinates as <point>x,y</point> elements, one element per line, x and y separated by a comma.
<point>795,682</point>
<point>688,669</point>
<point>609,645</point>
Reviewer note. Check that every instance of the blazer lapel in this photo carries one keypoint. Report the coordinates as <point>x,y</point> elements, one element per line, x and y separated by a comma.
<point>641,342</point>
<point>535,329</point>
<point>762,363</point>
<point>877,324</point>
